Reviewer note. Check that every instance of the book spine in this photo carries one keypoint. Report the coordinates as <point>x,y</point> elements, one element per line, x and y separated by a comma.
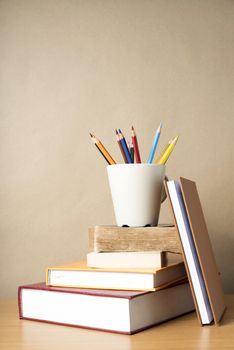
<point>20,302</point>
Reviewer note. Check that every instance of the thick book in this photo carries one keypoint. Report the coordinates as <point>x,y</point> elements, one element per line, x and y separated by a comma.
<point>130,239</point>
<point>80,275</point>
<point>150,259</point>
<point>197,250</point>
<point>125,312</point>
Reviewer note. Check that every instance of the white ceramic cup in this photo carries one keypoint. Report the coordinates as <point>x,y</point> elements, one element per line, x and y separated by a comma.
<point>136,191</point>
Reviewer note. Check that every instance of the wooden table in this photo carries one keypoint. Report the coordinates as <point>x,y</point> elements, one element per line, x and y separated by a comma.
<point>181,333</point>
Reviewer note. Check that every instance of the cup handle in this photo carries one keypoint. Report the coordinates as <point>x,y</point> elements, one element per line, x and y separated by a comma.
<point>164,195</point>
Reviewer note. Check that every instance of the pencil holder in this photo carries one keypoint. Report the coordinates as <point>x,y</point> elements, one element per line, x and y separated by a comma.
<point>136,191</point>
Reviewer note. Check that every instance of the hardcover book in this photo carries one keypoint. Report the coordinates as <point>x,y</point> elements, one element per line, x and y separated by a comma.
<point>198,255</point>
<point>80,275</point>
<point>125,312</point>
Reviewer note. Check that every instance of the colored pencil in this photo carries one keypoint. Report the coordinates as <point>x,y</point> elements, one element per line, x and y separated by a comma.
<point>102,150</point>
<point>167,151</point>
<point>135,145</point>
<point>120,146</point>
<point>155,143</point>
<point>125,147</point>
<point>131,148</point>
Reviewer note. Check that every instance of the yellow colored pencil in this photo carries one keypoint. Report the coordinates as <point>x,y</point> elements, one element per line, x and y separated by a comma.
<point>163,151</point>
<point>102,150</point>
<point>167,151</point>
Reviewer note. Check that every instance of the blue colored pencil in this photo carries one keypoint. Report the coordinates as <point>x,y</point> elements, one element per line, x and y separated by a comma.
<point>155,143</point>
<point>125,147</point>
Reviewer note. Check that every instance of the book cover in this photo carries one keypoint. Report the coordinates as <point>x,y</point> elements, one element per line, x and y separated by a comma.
<point>124,312</point>
<point>198,255</point>
<point>204,249</point>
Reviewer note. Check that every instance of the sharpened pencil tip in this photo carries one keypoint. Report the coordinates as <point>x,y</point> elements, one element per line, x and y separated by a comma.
<point>91,134</point>
<point>175,139</point>
<point>159,128</point>
<point>116,131</point>
<point>133,132</point>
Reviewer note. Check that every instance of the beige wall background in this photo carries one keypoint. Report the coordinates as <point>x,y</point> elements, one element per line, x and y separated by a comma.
<point>71,67</point>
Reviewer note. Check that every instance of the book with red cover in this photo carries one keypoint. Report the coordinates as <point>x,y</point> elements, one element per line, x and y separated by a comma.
<point>115,311</point>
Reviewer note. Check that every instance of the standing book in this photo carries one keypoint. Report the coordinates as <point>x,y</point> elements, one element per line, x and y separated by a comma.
<point>197,250</point>
<point>125,312</point>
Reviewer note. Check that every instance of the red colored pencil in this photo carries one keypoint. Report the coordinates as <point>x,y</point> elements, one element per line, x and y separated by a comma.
<point>135,146</point>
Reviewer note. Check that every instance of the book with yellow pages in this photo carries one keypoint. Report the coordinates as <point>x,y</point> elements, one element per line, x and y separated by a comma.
<point>79,275</point>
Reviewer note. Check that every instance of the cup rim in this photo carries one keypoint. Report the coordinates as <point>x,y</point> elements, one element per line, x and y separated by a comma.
<point>136,165</point>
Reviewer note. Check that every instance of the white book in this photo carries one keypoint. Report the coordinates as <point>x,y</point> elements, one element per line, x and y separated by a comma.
<point>149,259</point>
<point>114,311</point>
<point>80,275</point>
<point>190,251</point>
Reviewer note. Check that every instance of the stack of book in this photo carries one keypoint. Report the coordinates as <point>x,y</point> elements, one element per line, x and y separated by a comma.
<point>113,246</point>
<point>133,279</point>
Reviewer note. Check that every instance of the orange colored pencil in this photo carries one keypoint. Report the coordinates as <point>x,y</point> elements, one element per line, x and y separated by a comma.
<point>102,150</point>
